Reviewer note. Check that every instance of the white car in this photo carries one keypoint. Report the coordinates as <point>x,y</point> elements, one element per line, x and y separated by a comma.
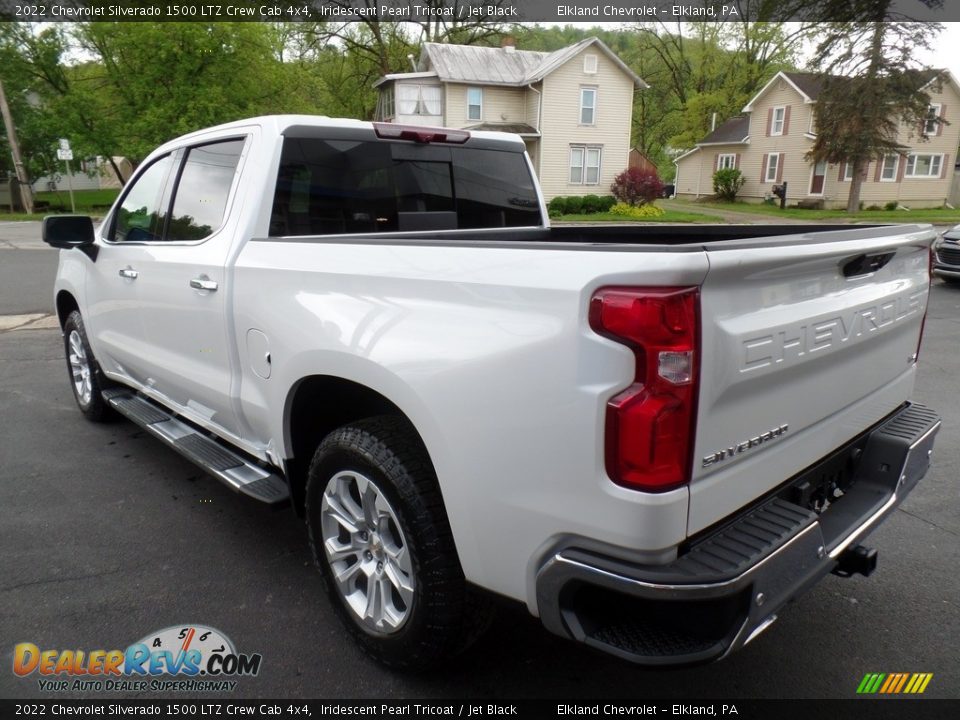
<point>654,437</point>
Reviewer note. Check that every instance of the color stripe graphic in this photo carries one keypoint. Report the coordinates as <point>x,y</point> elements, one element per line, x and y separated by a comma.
<point>894,683</point>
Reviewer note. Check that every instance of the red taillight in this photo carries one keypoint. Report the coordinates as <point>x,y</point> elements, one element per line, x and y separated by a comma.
<point>650,425</point>
<point>420,134</point>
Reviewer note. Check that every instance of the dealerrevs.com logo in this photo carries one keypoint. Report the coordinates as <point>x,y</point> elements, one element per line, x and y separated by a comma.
<point>181,658</point>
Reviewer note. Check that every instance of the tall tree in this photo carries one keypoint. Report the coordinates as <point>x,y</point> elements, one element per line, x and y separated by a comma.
<point>872,86</point>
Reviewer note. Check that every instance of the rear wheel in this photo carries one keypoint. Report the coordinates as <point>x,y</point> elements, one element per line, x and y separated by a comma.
<point>381,538</point>
<point>86,379</point>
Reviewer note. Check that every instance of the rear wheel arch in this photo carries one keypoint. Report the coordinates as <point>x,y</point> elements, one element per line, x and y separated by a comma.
<point>316,406</point>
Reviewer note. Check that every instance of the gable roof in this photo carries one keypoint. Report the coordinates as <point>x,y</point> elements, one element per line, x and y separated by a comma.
<point>500,66</point>
<point>810,85</point>
<point>734,130</point>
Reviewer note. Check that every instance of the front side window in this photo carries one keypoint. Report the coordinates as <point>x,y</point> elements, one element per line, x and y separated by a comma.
<point>203,189</point>
<point>474,103</point>
<point>141,214</point>
<point>773,163</point>
<point>924,166</point>
<point>726,161</point>
<point>588,106</point>
<point>779,118</point>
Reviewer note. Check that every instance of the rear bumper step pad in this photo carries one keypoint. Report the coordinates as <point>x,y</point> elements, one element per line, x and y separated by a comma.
<point>231,468</point>
<point>737,577</point>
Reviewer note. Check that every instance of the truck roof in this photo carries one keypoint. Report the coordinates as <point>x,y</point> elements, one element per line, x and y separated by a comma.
<point>279,124</point>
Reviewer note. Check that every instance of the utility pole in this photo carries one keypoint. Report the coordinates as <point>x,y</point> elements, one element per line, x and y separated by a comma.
<point>26,193</point>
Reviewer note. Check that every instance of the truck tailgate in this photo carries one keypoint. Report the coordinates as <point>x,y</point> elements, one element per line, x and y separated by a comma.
<point>806,342</point>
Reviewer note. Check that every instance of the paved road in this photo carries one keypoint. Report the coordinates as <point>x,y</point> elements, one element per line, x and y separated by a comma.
<point>27,269</point>
<point>107,536</point>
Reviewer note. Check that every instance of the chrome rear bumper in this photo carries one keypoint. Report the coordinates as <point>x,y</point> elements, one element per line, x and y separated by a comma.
<point>727,586</point>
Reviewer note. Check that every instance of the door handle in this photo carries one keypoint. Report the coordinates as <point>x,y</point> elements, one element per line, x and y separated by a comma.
<point>204,283</point>
<point>129,273</point>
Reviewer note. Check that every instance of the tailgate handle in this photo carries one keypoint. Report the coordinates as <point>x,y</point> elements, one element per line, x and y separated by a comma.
<point>865,264</point>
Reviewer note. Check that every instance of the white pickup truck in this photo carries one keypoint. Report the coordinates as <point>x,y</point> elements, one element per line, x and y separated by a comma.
<point>654,437</point>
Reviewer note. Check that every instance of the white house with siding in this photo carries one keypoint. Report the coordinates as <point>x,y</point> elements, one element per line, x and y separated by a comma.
<point>573,107</point>
<point>768,143</point>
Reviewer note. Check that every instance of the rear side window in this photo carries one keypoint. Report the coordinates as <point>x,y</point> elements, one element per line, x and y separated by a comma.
<point>203,190</point>
<point>357,186</point>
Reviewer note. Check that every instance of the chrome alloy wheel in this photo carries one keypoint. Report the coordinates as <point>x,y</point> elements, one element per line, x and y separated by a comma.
<point>80,369</point>
<point>367,552</point>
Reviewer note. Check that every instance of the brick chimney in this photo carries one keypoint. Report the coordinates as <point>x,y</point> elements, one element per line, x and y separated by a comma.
<point>508,43</point>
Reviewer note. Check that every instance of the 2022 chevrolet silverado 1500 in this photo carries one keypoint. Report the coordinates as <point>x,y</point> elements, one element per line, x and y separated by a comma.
<point>654,437</point>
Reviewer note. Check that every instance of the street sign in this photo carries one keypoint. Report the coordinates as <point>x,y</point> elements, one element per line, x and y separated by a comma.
<point>64,144</point>
<point>64,154</point>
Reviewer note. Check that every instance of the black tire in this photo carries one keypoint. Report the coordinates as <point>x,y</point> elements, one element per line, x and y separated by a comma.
<point>445,616</point>
<point>92,405</point>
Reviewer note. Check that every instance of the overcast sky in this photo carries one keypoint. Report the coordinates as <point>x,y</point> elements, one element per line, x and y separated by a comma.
<point>946,52</point>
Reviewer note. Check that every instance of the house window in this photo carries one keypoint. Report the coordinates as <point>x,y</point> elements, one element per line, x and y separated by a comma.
<point>474,103</point>
<point>924,166</point>
<point>888,173</point>
<point>386,111</point>
<point>779,118</point>
<point>773,165</point>
<point>584,165</point>
<point>590,64</point>
<point>418,99</point>
<point>847,171</point>
<point>932,124</point>
<point>726,161</point>
<point>588,106</point>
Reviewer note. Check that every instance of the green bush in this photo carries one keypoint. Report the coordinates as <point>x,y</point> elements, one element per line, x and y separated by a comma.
<point>557,205</point>
<point>591,203</point>
<point>892,205</point>
<point>607,202</point>
<point>727,183</point>
<point>875,207</point>
<point>574,205</point>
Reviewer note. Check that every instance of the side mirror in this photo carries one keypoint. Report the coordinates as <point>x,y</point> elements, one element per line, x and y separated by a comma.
<point>68,231</point>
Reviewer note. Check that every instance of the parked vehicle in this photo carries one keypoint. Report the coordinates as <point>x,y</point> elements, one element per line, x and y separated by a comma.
<point>947,255</point>
<point>654,437</point>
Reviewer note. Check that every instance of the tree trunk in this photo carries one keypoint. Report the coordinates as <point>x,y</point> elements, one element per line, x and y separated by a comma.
<point>116,169</point>
<point>853,199</point>
<point>876,57</point>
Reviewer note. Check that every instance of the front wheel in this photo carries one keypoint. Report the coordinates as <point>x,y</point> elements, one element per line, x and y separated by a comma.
<point>86,379</point>
<point>381,538</point>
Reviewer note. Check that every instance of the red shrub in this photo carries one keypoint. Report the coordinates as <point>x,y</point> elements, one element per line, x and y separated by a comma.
<point>636,187</point>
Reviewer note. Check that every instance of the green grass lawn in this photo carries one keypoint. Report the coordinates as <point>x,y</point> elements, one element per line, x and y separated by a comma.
<point>939,216</point>
<point>88,202</point>
<point>669,216</point>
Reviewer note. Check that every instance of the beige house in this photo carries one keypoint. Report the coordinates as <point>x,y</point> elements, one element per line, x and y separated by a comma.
<point>572,107</point>
<point>769,142</point>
